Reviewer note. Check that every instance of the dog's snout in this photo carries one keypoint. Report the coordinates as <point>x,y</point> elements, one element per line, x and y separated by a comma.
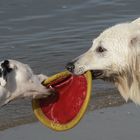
<point>70,66</point>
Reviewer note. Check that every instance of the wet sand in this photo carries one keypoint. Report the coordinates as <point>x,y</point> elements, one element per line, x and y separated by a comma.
<point>115,123</point>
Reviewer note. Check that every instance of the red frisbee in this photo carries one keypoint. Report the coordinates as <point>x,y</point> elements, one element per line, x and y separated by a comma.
<point>64,109</point>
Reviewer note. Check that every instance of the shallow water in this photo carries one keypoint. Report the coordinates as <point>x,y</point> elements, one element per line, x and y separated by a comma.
<point>48,33</point>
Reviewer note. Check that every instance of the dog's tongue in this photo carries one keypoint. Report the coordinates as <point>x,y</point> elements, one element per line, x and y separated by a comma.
<point>64,109</point>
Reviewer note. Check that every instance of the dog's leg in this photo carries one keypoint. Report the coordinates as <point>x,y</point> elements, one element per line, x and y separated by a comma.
<point>34,90</point>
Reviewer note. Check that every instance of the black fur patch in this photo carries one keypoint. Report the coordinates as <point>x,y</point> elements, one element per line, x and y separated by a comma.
<point>5,66</point>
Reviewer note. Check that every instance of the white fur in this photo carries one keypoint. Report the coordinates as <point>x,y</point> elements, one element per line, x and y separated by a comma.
<point>21,82</point>
<point>121,60</point>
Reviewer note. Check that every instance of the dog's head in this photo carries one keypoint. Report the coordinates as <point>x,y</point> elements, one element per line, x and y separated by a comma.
<point>111,53</point>
<point>5,69</point>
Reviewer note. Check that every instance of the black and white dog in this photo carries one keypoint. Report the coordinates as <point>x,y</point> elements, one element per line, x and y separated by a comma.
<point>17,80</point>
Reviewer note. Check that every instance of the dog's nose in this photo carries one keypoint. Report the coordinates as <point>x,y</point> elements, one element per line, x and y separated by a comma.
<point>70,66</point>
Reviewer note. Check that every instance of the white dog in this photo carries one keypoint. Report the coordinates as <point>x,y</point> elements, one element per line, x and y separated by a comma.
<point>17,80</point>
<point>115,56</point>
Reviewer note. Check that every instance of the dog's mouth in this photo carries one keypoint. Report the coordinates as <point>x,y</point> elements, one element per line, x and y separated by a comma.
<point>97,74</point>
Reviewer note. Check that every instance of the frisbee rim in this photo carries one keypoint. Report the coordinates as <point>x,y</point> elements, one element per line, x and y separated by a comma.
<point>57,126</point>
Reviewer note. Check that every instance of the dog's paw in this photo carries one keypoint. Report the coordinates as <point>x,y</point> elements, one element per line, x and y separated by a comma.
<point>45,94</point>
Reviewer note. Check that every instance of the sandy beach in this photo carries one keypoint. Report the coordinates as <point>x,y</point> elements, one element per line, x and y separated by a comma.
<point>114,123</point>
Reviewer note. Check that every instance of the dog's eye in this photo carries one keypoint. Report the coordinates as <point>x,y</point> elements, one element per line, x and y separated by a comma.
<point>100,49</point>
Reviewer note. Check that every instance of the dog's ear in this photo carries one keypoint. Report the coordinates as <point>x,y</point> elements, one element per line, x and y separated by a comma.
<point>135,41</point>
<point>5,65</point>
<point>136,21</point>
